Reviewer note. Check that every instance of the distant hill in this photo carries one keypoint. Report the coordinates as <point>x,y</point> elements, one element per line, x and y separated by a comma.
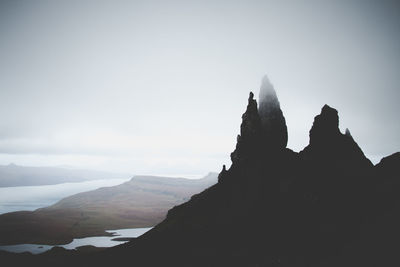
<point>15,175</point>
<point>141,202</point>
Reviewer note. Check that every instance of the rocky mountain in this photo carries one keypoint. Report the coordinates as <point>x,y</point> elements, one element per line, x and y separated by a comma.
<point>325,206</point>
<point>276,207</point>
<point>141,202</point>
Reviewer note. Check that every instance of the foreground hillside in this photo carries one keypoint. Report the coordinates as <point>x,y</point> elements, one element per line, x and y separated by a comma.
<point>141,202</point>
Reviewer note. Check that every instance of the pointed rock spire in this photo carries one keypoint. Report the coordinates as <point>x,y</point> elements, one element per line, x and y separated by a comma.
<point>263,128</point>
<point>272,119</point>
<point>222,174</point>
<point>248,142</point>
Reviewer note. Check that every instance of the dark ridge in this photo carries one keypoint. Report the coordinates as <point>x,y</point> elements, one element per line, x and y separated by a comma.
<point>390,163</point>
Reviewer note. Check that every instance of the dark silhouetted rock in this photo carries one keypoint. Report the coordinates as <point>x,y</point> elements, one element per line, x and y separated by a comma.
<point>248,142</point>
<point>390,166</point>
<point>272,119</point>
<point>263,129</point>
<point>329,146</point>
<point>222,174</point>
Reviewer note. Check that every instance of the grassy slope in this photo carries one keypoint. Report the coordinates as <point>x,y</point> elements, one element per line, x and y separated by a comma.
<point>141,202</point>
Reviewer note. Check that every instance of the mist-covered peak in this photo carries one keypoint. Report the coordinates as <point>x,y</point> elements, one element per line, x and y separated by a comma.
<point>272,119</point>
<point>263,127</point>
<point>267,93</point>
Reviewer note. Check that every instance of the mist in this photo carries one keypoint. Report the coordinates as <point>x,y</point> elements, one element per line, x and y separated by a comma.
<point>158,87</point>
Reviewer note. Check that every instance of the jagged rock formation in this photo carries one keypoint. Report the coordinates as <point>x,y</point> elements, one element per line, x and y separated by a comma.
<point>263,129</point>
<point>272,207</point>
<point>324,206</point>
<point>272,119</point>
<point>327,143</point>
<point>250,138</point>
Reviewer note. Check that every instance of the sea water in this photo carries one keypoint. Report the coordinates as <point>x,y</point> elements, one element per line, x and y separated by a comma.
<point>97,241</point>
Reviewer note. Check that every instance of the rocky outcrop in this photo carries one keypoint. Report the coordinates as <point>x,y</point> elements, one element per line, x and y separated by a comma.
<point>263,129</point>
<point>272,119</point>
<point>329,146</point>
<point>325,128</point>
<point>248,142</point>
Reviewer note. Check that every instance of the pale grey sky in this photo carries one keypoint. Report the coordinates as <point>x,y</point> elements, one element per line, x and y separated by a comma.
<point>158,87</point>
